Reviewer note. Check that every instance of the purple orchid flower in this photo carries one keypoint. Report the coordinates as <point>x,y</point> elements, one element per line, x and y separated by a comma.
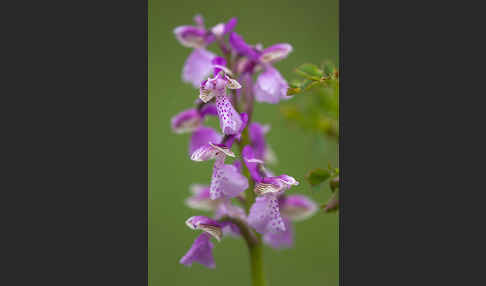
<point>230,120</point>
<point>201,249</point>
<point>265,213</point>
<point>198,65</point>
<point>190,119</point>
<point>292,208</point>
<point>226,181</point>
<point>270,86</point>
<point>207,225</point>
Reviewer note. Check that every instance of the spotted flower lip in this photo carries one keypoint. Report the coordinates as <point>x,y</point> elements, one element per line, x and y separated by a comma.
<point>205,224</point>
<point>201,252</point>
<point>227,182</point>
<point>281,239</point>
<point>265,215</point>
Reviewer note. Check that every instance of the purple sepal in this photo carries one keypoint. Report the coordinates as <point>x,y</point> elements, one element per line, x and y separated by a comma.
<point>186,121</point>
<point>190,36</point>
<point>275,53</point>
<point>238,44</point>
<point>208,109</point>
<point>195,221</point>
<point>202,136</point>
<point>205,224</point>
<point>297,207</point>
<point>218,61</point>
<point>200,199</point>
<point>270,86</point>
<point>230,25</point>
<point>275,185</point>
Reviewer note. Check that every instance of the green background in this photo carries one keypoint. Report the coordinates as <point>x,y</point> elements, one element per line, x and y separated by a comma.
<point>312,29</point>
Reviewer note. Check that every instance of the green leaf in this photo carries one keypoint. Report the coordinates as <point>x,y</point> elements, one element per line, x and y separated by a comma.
<point>310,71</point>
<point>329,68</point>
<point>317,176</point>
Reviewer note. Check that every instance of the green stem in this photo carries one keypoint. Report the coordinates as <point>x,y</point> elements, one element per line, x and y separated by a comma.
<point>256,262</point>
<point>254,242</point>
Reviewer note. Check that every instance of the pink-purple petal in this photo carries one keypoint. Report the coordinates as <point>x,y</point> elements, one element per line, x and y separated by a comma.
<point>202,136</point>
<point>249,154</point>
<point>197,67</point>
<point>239,45</point>
<point>208,109</point>
<point>230,25</point>
<point>257,139</point>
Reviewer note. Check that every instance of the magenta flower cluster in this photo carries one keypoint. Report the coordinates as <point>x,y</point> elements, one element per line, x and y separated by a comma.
<point>225,86</point>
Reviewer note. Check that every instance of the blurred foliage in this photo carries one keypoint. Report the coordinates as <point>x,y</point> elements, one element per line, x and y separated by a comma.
<point>316,109</point>
<point>318,176</point>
